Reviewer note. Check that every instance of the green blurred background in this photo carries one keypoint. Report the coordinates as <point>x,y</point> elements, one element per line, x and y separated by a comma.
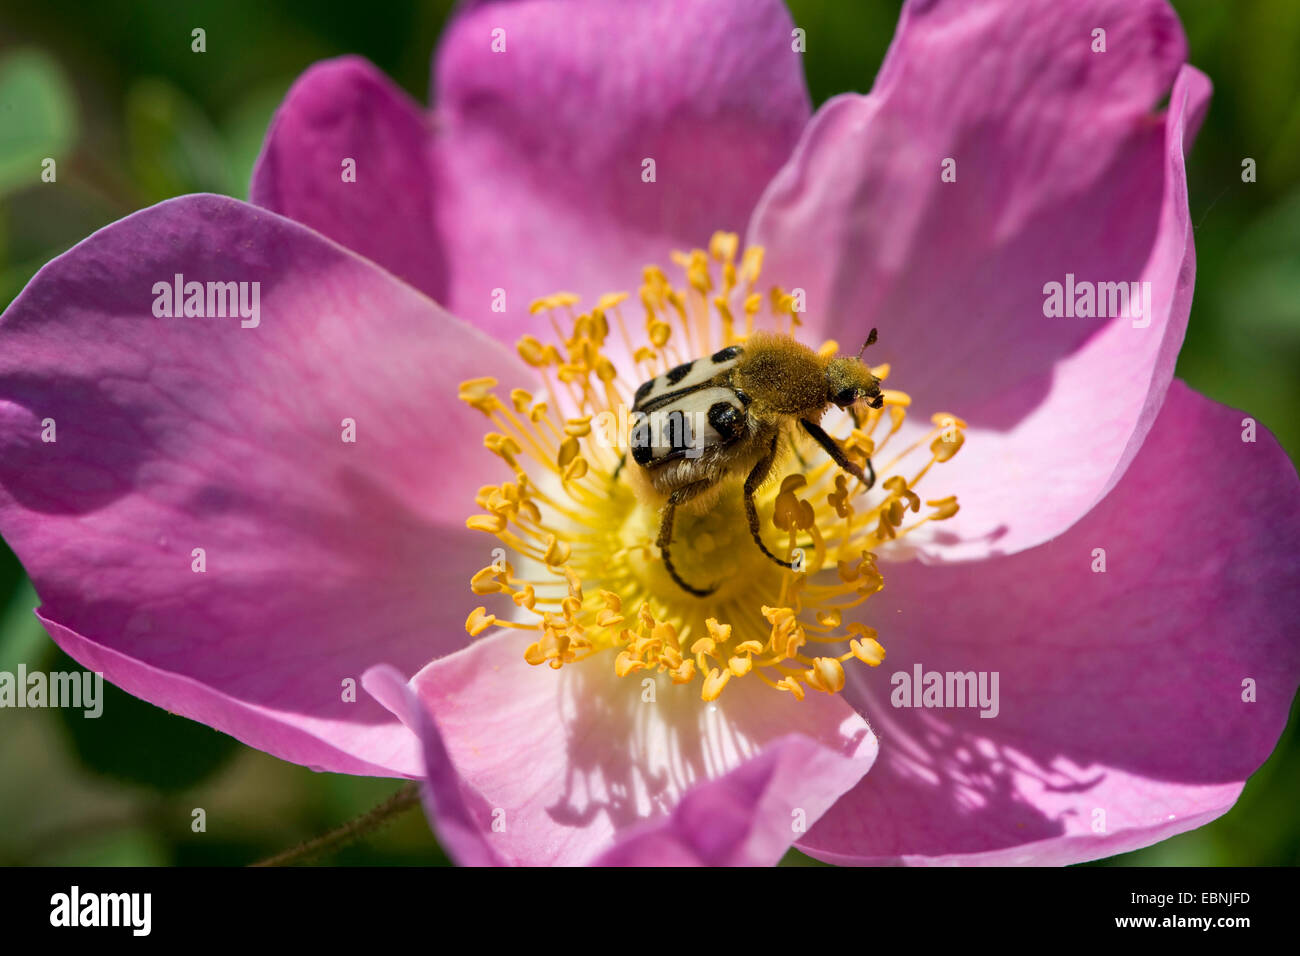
<point>114,93</point>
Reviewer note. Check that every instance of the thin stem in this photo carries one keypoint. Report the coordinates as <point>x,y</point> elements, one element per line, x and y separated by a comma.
<point>401,801</point>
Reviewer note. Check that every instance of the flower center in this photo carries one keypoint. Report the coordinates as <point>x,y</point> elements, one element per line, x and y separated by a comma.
<point>582,525</point>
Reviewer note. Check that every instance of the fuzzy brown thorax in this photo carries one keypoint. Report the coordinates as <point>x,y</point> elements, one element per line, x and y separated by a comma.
<point>782,376</point>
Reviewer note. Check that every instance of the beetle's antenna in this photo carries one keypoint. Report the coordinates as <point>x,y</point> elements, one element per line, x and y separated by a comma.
<point>871,340</point>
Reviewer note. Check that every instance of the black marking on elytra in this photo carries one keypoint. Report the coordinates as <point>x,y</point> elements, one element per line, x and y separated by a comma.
<point>677,373</point>
<point>677,430</point>
<point>727,420</point>
<point>669,398</point>
<point>642,454</point>
<point>744,399</point>
<point>643,391</point>
<point>727,354</point>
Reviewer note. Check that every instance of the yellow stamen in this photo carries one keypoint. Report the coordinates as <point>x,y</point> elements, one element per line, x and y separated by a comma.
<point>599,583</point>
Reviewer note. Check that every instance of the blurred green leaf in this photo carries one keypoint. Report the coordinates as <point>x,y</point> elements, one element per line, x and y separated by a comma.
<point>1262,288</point>
<point>173,147</point>
<point>245,128</point>
<point>38,116</point>
<point>844,43</point>
<point>111,847</point>
<point>21,636</point>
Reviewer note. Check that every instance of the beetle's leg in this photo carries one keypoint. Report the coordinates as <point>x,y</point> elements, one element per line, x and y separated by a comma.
<point>756,477</point>
<point>832,447</point>
<point>678,497</point>
<point>622,460</point>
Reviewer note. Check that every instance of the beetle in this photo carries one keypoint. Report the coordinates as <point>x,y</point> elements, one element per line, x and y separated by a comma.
<point>722,416</point>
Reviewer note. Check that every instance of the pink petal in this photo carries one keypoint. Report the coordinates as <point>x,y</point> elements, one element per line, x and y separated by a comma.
<point>341,110</point>
<point>540,148</point>
<point>1062,167</point>
<point>1120,692</point>
<point>743,818</point>
<point>571,763</point>
<point>322,557</point>
<point>451,810</point>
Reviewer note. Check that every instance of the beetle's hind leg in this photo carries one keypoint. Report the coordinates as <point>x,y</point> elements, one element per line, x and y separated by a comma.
<point>664,541</point>
<point>832,448</point>
<point>756,478</point>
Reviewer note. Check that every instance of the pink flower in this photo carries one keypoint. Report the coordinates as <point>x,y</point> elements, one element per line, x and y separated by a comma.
<point>999,152</point>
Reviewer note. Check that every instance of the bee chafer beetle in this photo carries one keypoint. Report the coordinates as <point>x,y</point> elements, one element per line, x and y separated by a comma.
<point>729,415</point>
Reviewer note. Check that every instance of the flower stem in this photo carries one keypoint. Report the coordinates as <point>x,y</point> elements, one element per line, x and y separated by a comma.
<point>401,801</point>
